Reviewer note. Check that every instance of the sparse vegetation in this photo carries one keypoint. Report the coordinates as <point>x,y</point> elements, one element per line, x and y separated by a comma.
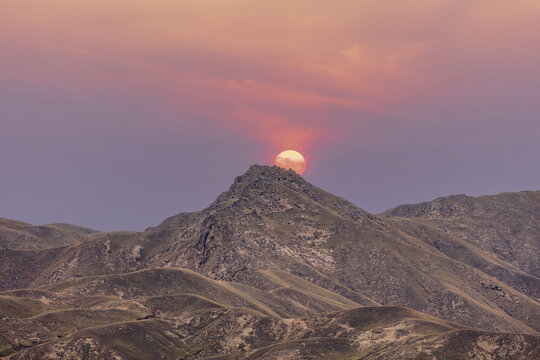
<point>277,268</point>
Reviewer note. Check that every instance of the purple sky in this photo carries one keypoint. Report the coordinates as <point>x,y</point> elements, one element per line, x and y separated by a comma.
<point>115,117</point>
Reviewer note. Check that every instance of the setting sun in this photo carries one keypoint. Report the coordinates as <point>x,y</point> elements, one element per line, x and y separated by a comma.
<point>290,159</point>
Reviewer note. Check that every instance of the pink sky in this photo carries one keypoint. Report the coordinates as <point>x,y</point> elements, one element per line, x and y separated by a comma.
<point>334,80</point>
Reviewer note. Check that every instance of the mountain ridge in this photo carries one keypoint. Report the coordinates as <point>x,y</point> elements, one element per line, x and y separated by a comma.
<point>292,250</point>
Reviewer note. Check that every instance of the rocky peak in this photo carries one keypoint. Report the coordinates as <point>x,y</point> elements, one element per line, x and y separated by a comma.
<point>259,186</point>
<point>269,191</point>
<point>262,176</point>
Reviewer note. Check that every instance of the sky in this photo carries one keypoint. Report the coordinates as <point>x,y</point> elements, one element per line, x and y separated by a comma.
<point>116,114</point>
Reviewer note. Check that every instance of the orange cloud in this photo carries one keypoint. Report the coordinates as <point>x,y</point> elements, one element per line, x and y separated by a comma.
<point>253,92</point>
<point>280,71</point>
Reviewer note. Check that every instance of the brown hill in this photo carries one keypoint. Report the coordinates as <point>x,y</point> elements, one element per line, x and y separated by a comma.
<point>505,227</point>
<point>280,248</point>
<point>20,235</point>
<point>60,322</point>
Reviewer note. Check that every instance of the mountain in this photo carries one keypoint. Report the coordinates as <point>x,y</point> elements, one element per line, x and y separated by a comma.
<point>21,235</point>
<point>278,268</point>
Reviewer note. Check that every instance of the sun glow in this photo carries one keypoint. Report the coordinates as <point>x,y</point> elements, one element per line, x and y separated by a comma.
<point>290,159</point>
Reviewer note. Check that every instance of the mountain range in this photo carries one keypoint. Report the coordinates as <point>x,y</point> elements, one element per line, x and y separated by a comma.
<point>276,268</point>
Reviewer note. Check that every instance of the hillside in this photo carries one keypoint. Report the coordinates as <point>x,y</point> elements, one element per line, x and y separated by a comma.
<point>79,320</point>
<point>504,226</point>
<point>279,266</point>
<point>20,235</point>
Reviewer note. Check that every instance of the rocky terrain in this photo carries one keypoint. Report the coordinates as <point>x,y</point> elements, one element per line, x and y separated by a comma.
<point>277,268</point>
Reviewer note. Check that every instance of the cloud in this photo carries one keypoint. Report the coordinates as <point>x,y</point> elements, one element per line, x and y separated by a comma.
<point>284,72</point>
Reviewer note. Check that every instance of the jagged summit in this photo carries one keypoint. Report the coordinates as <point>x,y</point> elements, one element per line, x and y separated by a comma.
<point>273,172</point>
<point>274,189</point>
<point>260,189</point>
<point>263,176</point>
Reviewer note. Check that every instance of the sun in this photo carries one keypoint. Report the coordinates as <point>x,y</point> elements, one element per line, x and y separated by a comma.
<point>290,159</point>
